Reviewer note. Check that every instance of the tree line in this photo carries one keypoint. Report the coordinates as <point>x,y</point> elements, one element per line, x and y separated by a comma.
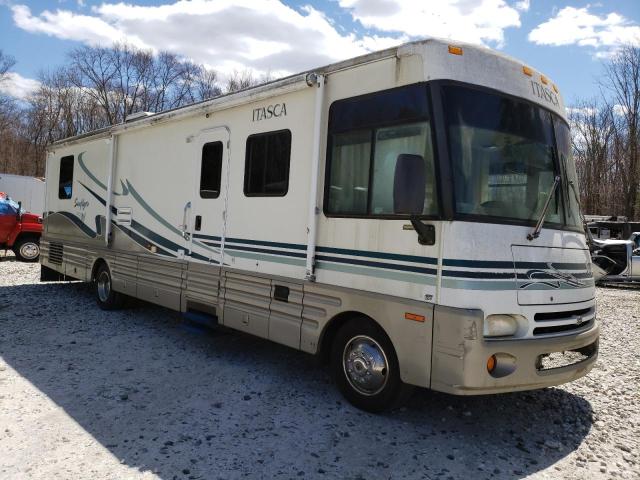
<point>98,87</point>
<point>95,88</point>
<point>606,137</point>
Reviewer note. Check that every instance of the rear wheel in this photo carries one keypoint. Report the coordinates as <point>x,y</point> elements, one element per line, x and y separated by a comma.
<point>365,367</point>
<point>106,297</point>
<point>27,248</point>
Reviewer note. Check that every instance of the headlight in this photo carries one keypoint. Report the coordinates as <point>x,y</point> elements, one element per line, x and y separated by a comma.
<point>502,325</point>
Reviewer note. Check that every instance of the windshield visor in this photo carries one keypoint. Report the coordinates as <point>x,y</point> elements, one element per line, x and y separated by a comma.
<point>503,157</point>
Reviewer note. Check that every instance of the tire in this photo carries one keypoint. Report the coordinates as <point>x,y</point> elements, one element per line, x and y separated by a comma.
<point>106,297</point>
<point>365,367</point>
<point>27,248</point>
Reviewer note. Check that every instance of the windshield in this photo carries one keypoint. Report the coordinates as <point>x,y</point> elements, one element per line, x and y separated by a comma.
<point>503,157</point>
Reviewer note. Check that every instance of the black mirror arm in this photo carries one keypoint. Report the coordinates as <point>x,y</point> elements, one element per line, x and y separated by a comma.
<point>426,233</point>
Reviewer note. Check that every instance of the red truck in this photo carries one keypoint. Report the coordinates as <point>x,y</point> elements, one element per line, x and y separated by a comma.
<point>19,231</point>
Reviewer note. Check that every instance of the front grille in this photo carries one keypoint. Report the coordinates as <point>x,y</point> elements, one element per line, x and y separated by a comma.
<point>547,316</point>
<point>562,328</point>
<point>55,253</point>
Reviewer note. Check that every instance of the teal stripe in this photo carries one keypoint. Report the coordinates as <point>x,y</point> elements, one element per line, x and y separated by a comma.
<point>150,210</point>
<point>379,273</point>
<point>268,258</point>
<point>88,173</point>
<point>495,285</point>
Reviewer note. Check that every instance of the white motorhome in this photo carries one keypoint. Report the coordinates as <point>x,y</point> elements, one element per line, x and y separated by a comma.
<point>408,213</point>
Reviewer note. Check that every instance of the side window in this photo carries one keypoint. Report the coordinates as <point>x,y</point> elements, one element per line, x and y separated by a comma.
<point>266,169</point>
<point>211,170</point>
<point>369,136</point>
<point>65,182</point>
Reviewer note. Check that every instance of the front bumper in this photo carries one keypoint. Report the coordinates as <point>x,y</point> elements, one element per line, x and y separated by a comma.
<point>460,354</point>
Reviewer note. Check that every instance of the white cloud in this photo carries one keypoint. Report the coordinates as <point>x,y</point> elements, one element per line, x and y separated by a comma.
<point>581,111</point>
<point>523,5</point>
<point>578,26</point>
<point>265,36</point>
<point>620,110</point>
<point>476,21</point>
<point>17,86</point>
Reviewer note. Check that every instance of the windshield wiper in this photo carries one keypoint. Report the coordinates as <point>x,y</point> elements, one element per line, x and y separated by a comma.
<point>536,231</point>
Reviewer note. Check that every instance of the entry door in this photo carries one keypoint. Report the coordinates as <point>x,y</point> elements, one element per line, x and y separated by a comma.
<point>206,215</point>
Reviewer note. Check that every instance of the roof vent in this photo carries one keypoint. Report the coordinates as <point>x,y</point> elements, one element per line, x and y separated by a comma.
<point>138,115</point>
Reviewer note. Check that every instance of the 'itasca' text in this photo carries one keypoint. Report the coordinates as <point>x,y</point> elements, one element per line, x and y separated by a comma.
<point>265,113</point>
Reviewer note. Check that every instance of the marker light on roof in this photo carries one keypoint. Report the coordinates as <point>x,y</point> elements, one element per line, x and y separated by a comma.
<point>455,50</point>
<point>555,89</point>
<point>527,71</point>
<point>544,79</point>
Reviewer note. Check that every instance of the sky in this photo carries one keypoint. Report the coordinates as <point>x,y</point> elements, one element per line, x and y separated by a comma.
<point>567,40</point>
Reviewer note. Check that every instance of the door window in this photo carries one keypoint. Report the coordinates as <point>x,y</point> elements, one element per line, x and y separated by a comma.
<point>211,170</point>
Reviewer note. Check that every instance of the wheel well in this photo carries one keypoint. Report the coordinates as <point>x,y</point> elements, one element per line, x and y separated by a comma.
<point>331,329</point>
<point>22,235</point>
<point>96,265</point>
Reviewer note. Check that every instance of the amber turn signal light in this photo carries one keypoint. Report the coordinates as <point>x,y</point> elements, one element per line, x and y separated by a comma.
<point>491,364</point>
<point>414,316</point>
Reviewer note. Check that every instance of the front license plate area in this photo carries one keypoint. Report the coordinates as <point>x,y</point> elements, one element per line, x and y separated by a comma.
<point>551,361</point>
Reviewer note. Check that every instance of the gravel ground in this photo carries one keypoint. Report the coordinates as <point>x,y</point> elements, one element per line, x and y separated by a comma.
<point>134,394</point>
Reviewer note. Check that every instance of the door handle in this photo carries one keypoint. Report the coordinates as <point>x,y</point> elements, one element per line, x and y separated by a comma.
<point>184,225</point>
<point>198,223</point>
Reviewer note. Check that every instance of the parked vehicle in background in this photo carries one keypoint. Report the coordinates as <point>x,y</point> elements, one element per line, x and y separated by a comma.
<point>19,231</point>
<point>29,191</point>
<point>616,261</point>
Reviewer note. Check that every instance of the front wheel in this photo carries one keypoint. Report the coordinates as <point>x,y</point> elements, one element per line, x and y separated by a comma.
<point>365,367</point>
<point>106,297</point>
<point>27,249</point>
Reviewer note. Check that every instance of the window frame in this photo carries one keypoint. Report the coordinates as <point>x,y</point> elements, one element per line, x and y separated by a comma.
<point>246,163</point>
<point>429,118</point>
<point>73,161</point>
<point>436,86</point>
<point>209,197</point>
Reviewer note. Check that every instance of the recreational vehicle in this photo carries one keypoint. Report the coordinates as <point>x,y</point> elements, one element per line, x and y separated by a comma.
<point>409,215</point>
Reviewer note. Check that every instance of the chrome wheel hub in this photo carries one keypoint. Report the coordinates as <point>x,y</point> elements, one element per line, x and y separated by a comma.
<point>365,365</point>
<point>29,250</point>
<point>104,286</point>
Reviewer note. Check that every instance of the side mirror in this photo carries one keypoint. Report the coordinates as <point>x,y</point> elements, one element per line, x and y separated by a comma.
<point>408,184</point>
<point>19,214</point>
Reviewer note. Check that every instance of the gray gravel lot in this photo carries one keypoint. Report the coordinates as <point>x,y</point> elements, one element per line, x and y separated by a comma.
<point>134,394</point>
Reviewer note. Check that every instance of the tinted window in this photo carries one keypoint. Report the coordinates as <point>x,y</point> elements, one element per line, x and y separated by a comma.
<point>65,183</point>
<point>398,105</point>
<point>211,170</point>
<point>368,135</point>
<point>267,164</point>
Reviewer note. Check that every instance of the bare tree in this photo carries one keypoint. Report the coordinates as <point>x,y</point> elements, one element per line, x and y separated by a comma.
<point>593,130</point>
<point>622,81</point>
<point>239,80</point>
